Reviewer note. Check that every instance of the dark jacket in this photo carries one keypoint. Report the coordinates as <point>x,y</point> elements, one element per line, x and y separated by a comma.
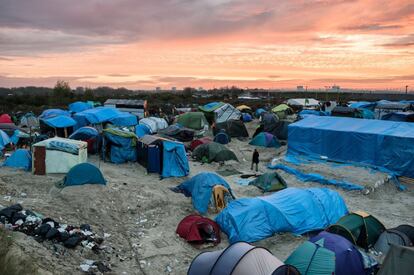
<point>255,157</point>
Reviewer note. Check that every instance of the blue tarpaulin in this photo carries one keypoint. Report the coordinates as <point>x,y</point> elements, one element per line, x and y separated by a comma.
<point>313,177</point>
<point>290,210</point>
<point>79,106</point>
<point>4,139</point>
<point>59,121</point>
<point>84,133</point>
<point>105,114</point>
<point>362,104</point>
<point>21,158</point>
<point>200,188</point>
<point>175,162</point>
<point>386,145</point>
<point>53,112</point>
<point>142,130</point>
<point>124,120</point>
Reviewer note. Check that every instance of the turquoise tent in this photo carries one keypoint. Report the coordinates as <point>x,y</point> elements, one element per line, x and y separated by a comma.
<point>4,140</point>
<point>83,173</point>
<point>266,140</point>
<point>175,162</point>
<point>21,158</point>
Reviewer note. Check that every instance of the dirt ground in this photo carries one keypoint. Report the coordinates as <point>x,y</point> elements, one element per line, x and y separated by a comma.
<point>141,214</point>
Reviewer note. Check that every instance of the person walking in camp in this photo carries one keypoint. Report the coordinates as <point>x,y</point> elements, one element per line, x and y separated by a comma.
<point>255,159</point>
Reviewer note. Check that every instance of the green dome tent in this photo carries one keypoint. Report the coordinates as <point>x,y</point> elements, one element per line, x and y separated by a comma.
<point>193,120</point>
<point>269,182</point>
<point>213,152</point>
<point>360,228</point>
<point>282,110</point>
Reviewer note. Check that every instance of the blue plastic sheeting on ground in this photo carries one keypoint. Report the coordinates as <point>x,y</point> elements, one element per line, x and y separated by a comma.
<point>84,173</point>
<point>381,144</point>
<point>142,130</point>
<point>53,112</point>
<point>243,182</point>
<point>4,139</point>
<point>175,162</point>
<point>290,210</point>
<point>200,188</point>
<point>79,106</point>
<point>21,158</point>
<point>59,121</point>
<point>313,177</point>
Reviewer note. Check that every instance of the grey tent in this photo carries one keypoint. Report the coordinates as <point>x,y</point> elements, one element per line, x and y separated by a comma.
<point>391,236</point>
<point>213,152</point>
<point>239,259</point>
<point>399,260</point>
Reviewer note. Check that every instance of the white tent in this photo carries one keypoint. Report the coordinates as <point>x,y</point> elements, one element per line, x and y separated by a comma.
<point>304,102</point>
<point>226,112</point>
<point>58,155</point>
<point>154,123</point>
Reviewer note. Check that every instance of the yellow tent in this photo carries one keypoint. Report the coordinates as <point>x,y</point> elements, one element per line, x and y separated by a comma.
<point>243,107</point>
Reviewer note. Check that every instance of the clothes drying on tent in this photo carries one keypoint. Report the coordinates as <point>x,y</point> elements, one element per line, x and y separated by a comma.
<point>220,112</point>
<point>79,106</point>
<point>290,210</point>
<point>21,158</point>
<point>393,236</point>
<point>142,130</point>
<point>239,259</point>
<point>246,117</point>
<point>193,120</point>
<point>177,132</point>
<point>200,189</point>
<point>120,145</point>
<point>265,140</point>
<point>234,128</point>
<point>196,229</point>
<point>269,182</point>
<point>399,260</point>
<point>5,118</point>
<point>58,155</point>
<point>360,228</point>
<point>197,142</point>
<point>327,254</point>
<point>154,123</point>
<point>376,143</point>
<point>213,152</point>
<point>222,137</point>
<point>83,173</point>
<point>4,140</point>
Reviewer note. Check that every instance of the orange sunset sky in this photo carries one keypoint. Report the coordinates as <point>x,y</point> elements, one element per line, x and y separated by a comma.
<point>208,43</point>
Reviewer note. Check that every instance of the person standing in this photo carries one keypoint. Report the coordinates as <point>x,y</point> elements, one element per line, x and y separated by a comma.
<point>255,160</point>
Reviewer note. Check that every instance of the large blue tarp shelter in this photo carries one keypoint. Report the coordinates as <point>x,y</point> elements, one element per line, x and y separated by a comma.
<point>124,119</point>
<point>175,162</point>
<point>122,145</point>
<point>21,158</point>
<point>290,210</point>
<point>79,106</point>
<point>84,133</point>
<point>200,189</point>
<point>105,114</point>
<point>53,112</point>
<point>387,145</point>
<point>59,121</point>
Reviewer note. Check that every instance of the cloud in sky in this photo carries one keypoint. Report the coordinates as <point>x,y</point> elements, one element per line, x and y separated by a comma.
<point>206,42</point>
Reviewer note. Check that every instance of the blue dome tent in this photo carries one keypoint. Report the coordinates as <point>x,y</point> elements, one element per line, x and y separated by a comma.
<point>79,106</point>
<point>4,140</point>
<point>266,140</point>
<point>83,173</point>
<point>21,158</point>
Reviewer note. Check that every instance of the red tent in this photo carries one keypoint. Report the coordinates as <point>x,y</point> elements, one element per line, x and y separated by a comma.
<point>199,141</point>
<point>5,118</point>
<point>197,229</point>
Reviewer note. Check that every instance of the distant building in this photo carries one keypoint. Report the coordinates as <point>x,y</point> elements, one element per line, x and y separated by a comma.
<point>174,89</point>
<point>300,88</point>
<point>336,87</point>
<point>133,106</point>
<point>157,89</point>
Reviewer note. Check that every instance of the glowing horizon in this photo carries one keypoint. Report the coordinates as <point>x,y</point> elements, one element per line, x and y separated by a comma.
<point>212,43</point>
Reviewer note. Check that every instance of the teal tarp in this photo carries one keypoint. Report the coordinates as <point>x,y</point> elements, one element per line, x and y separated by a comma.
<point>175,162</point>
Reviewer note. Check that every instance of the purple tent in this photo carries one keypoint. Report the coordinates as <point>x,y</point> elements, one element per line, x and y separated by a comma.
<point>348,259</point>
